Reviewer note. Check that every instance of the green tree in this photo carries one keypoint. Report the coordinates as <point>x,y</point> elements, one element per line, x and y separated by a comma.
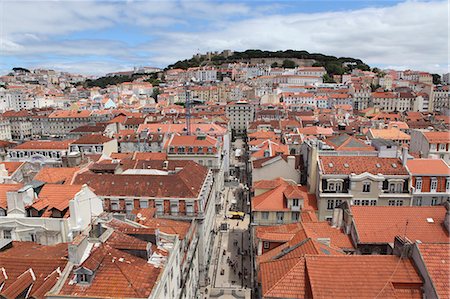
<point>289,64</point>
<point>327,79</point>
<point>436,79</point>
<point>275,64</point>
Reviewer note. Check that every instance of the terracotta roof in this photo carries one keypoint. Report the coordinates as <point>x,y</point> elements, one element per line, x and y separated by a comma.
<point>149,156</point>
<point>315,130</point>
<point>334,276</point>
<point>276,199</point>
<point>392,134</point>
<point>437,137</point>
<point>53,196</point>
<point>11,167</point>
<point>167,226</point>
<point>42,260</point>
<point>56,175</point>
<point>273,149</point>
<point>437,261</point>
<point>92,139</point>
<point>186,183</point>
<point>45,145</point>
<point>4,188</point>
<point>361,164</point>
<point>70,114</point>
<point>378,224</point>
<point>117,274</point>
<point>428,167</point>
<point>122,241</point>
<point>323,229</point>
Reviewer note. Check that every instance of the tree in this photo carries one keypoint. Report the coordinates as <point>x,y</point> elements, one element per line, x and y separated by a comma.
<point>288,64</point>
<point>275,64</point>
<point>374,87</point>
<point>436,79</point>
<point>156,92</point>
<point>327,79</point>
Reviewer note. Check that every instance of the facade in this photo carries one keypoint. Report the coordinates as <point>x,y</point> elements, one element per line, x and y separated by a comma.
<point>360,181</point>
<point>280,201</point>
<point>43,152</point>
<point>430,181</point>
<point>94,144</point>
<point>187,193</point>
<point>58,213</point>
<point>271,168</point>
<point>240,114</point>
<point>431,144</point>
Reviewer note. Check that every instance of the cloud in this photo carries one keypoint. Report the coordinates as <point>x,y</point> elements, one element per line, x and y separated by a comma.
<point>413,34</point>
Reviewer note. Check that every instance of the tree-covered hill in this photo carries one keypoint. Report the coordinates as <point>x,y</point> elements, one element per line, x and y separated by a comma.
<point>333,65</point>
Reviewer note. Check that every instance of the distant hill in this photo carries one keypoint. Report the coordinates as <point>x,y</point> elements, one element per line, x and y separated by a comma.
<point>333,65</point>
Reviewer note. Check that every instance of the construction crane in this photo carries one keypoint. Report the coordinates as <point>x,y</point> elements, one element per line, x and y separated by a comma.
<point>187,108</point>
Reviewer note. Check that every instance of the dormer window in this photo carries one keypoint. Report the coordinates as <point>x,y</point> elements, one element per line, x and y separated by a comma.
<point>419,184</point>
<point>433,184</point>
<point>295,202</point>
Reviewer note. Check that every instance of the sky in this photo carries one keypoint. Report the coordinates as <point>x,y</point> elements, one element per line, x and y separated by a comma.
<point>96,37</point>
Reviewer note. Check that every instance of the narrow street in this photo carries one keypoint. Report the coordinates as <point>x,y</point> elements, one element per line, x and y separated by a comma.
<point>231,265</point>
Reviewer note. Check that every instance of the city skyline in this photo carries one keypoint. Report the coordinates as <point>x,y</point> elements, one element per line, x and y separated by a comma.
<point>97,37</point>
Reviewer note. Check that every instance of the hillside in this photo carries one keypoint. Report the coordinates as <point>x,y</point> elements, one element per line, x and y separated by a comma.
<point>333,65</point>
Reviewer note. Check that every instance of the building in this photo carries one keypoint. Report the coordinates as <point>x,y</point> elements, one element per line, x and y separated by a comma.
<point>431,144</point>
<point>240,115</point>
<point>394,134</point>
<point>94,144</point>
<point>57,214</point>
<point>185,193</point>
<point>359,180</point>
<point>374,229</point>
<point>280,202</point>
<point>270,168</point>
<point>430,179</point>
<point>44,152</point>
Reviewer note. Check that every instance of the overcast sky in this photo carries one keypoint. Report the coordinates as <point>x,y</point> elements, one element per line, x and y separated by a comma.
<point>96,37</point>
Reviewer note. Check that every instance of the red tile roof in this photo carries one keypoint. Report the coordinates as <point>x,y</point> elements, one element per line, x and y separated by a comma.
<point>45,145</point>
<point>56,175</point>
<point>117,274</point>
<point>11,167</point>
<point>361,164</point>
<point>428,167</point>
<point>276,199</point>
<point>53,196</point>
<point>437,137</point>
<point>70,114</point>
<point>43,260</point>
<point>362,276</point>
<point>167,226</point>
<point>437,262</point>
<point>186,183</point>
<point>377,224</point>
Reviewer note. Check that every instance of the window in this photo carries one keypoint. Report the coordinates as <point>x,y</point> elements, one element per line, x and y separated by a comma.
<point>189,208</point>
<point>143,204</point>
<point>295,216</point>
<point>373,202</point>
<point>331,187</point>
<point>295,202</point>
<point>266,245</point>
<point>434,201</point>
<point>114,206</point>
<point>391,187</point>
<point>418,201</point>
<point>83,278</point>
<point>265,215</point>
<point>419,184</point>
<point>330,204</point>
<point>365,202</point>
<point>280,216</point>
<point>129,206</point>
<point>395,202</point>
<point>7,234</point>
<point>159,208</point>
<point>366,187</point>
<point>447,185</point>
<point>433,185</point>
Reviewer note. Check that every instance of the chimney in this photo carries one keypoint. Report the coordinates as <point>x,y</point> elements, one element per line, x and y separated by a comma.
<point>15,203</point>
<point>404,155</point>
<point>291,162</point>
<point>77,248</point>
<point>402,246</point>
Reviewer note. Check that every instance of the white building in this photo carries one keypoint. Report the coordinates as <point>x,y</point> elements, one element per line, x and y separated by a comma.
<point>241,114</point>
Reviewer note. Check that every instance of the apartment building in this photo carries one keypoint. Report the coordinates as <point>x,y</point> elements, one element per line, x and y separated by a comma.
<point>240,114</point>
<point>280,201</point>
<point>45,152</point>
<point>430,179</point>
<point>57,214</point>
<point>440,98</point>
<point>358,180</point>
<point>94,144</point>
<point>185,193</point>
<point>431,144</point>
